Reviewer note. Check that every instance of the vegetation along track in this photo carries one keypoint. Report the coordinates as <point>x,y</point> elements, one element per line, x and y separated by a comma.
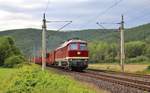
<point>128,80</point>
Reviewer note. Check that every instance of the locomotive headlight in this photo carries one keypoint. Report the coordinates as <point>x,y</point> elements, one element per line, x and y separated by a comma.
<point>78,53</point>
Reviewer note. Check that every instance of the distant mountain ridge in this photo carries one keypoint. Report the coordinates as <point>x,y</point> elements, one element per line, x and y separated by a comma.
<point>29,40</point>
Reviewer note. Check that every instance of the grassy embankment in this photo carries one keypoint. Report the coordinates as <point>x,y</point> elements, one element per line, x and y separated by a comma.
<point>30,79</point>
<point>131,68</point>
<point>5,77</point>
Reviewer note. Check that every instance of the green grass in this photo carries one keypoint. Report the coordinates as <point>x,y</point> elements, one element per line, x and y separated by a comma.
<point>146,71</point>
<point>30,79</point>
<point>5,74</point>
<point>131,68</point>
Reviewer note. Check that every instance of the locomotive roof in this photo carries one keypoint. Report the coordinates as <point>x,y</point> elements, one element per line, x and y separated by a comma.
<point>70,41</point>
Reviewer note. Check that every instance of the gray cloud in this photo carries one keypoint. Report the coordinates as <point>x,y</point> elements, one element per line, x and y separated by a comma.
<point>83,13</point>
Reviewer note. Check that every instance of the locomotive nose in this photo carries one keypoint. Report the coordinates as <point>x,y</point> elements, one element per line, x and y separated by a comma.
<point>77,53</point>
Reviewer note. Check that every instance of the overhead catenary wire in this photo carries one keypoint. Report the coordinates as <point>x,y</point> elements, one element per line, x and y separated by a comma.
<point>47,5</point>
<point>102,13</point>
<point>101,26</point>
<point>64,25</point>
<point>107,23</point>
<point>138,17</point>
<point>67,22</point>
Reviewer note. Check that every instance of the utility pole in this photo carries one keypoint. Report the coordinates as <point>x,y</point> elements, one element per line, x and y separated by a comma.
<point>33,54</point>
<point>122,51</point>
<point>119,46</point>
<point>44,43</point>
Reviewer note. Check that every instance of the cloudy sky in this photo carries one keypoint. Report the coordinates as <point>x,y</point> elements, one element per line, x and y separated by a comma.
<point>15,14</point>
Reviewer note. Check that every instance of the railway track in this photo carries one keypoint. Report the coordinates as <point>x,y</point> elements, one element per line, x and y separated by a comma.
<point>121,73</point>
<point>128,80</point>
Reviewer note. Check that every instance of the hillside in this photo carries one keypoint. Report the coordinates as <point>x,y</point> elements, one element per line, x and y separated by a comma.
<point>30,39</point>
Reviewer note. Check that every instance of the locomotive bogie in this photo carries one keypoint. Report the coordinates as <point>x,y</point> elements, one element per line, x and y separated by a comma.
<point>79,64</point>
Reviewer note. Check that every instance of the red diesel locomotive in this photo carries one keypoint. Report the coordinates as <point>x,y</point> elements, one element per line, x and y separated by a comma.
<point>72,54</point>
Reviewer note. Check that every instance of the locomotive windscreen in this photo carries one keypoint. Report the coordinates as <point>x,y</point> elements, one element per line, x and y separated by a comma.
<point>78,46</point>
<point>73,46</point>
<point>83,46</point>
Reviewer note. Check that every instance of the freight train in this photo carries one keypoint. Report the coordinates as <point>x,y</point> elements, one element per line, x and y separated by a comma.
<point>72,55</point>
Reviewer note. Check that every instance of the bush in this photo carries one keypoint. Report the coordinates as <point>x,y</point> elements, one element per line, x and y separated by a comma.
<point>102,52</point>
<point>138,59</point>
<point>147,51</point>
<point>148,68</point>
<point>135,48</point>
<point>30,79</point>
<point>14,61</point>
<point>7,49</point>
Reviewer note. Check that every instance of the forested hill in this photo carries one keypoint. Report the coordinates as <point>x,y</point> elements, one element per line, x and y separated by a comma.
<point>30,39</point>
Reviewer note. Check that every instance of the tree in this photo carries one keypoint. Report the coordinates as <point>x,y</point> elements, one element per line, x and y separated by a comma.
<point>102,52</point>
<point>134,48</point>
<point>147,51</point>
<point>7,48</point>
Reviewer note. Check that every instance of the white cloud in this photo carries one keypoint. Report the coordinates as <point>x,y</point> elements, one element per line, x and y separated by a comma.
<point>16,24</point>
<point>18,20</point>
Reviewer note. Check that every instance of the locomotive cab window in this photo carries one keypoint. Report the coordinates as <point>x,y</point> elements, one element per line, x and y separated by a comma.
<point>73,46</point>
<point>83,46</point>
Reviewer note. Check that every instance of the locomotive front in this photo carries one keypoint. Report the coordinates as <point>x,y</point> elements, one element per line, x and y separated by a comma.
<point>78,55</point>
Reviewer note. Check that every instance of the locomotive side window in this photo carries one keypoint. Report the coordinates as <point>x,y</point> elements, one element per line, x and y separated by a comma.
<point>83,46</point>
<point>73,46</point>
